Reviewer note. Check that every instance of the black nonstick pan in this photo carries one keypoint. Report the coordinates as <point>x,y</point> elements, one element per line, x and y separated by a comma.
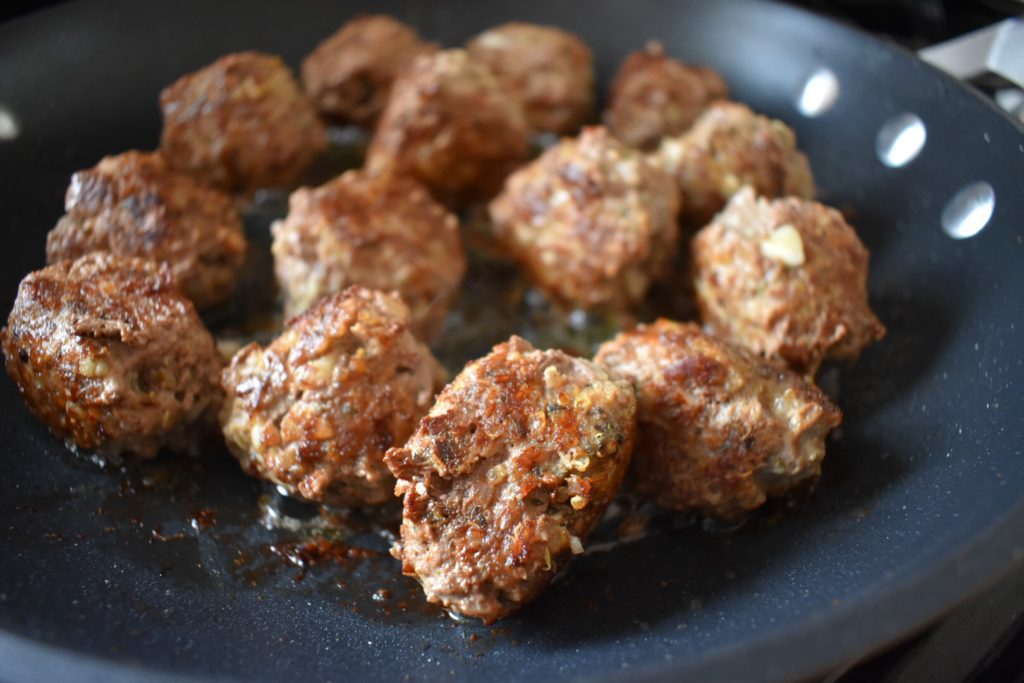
<point>185,568</point>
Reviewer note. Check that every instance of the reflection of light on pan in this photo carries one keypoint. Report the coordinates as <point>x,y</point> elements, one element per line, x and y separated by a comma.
<point>819,93</point>
<point>900,140</point>
<point>8,124</point>
<point>969,211</point>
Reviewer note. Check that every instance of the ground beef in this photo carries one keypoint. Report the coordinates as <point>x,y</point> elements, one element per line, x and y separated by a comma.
<point>592,221</point>
<point>719,429</point>
<point>111,357</point>
<point>380,232</point>
<point>134,204</point>
<point>315,411</point>
<point>507,474</point>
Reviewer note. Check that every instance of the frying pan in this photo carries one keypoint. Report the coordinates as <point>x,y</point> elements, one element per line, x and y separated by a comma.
<point>181,568</point>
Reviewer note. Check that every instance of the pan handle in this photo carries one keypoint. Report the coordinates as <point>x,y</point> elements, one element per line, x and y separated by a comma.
<point>996,49</point>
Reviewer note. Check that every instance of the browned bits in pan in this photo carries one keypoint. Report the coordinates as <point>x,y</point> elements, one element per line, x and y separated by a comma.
<point>134,204</point>
<point>654,95</point>
<point>111,357</point>
<point>241,123</point>
<point>548,70</point>
<point>381,232</point>
<point>719,429</point>
<point>785,278</point>
<point>315,411</point>
<point>507,474</point>
<point>450,125</point>
<point>592,221</point>
<point>348,76</point>
<point>728,147</point>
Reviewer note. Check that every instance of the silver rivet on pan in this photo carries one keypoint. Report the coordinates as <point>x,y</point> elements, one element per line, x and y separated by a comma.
<point>969,211</point>
<point>8,124</point>
<point>900,140</point>
<point>819,93</point>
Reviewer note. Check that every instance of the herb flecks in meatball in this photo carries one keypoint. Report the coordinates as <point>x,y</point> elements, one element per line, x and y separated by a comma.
<point>315,411</point>
<point>240,124</point>
<point>654,96</point>
<point>787,279</point>
<point>111,357</point>
<point>380,232</point>
<point>728,147</point>
<point>134,204</point>
<point>592,221</point>
<point>719,429</point>
<point>450,125</point>
<point>349,75</point>
<point>549,71</point>
<point>507,474</point>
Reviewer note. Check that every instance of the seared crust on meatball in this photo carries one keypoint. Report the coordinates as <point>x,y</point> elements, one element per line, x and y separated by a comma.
<point>719,429</point>
<point>111,357</point>
<point>348,76</point>
<point>507,474</point>
<point>380,232</point>
<point>728,147</point>
<point>134,204</point>
<point>240,124</point>
<point>785,278</point>
<point>592,221</point>
<point>654,95</point>
<point>315,411</point>
<point>548,70</point>
<point>450,125</point>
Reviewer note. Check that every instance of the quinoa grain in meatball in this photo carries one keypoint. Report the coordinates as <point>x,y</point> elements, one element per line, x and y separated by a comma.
<point>111,357</point>
<point>241,123</point>
<point>348,76</point>
<point>786,279</point>
<point>380,232</point>
<point>507,474</point>
<point>450,125</point>
<point>315,411</point>
<point>592,221</point>
<point>654,95</point>
<point>134,204</point>
<point>549,71</point>
<point>719,429</point>
<point>728,147</point>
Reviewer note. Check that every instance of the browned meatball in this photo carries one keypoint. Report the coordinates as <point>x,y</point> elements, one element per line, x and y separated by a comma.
<point>111,357</point>
<point>785,278</point>
<point>654,95</point>
<point>349,75</point>
<point>134,204</point>
<point>719,429</point>
<point>450,125</point>
<point>729,147</point>
<point>241,123</point>
<point>507,474</point>
<point>380,232</point>
<point>549,71</point>
<point>315,411</point>
<point>592,221</point>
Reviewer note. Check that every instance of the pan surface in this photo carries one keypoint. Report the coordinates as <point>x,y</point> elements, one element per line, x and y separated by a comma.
<point>184,568</point>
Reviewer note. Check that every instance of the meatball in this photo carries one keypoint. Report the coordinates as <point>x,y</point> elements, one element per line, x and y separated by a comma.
<point>241,123</point>
<point>380,232</point>
<point>134,204</point>
<point>654,95</point>
<point>111,357</point>
<point>785,278</point>
<point>730,146</point>
<point>719,429</point>
<point>348,76</point>
<point>592,221</point>
<point>508,473</point>
<point>315,411</point>
<point>450,125</point>
<point>549,71</point>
